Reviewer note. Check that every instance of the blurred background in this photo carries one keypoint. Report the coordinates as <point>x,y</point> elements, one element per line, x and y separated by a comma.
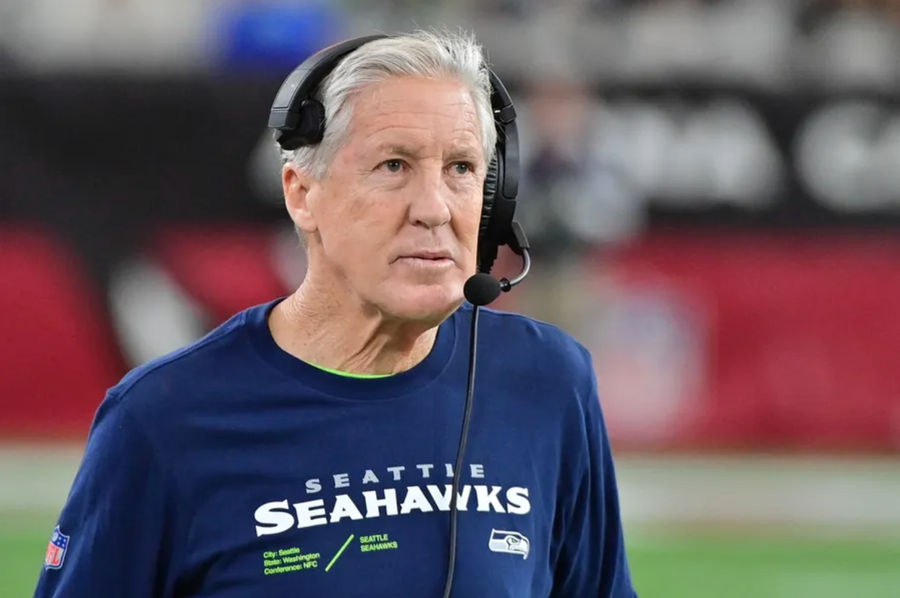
<point>712,192</point>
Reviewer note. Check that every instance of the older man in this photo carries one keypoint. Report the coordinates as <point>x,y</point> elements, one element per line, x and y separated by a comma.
<point>307,446</point>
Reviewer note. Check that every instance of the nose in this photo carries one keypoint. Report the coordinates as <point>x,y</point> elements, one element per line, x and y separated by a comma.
<point>429,207</point>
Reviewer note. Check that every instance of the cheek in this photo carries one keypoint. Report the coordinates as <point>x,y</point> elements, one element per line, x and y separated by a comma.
<point>371,224</point>
<point>359,211</point>
<point>469,217</point>
<point>346,232</point>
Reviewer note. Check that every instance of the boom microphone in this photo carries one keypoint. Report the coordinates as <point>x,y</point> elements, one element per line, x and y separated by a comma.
<point>480,289</point>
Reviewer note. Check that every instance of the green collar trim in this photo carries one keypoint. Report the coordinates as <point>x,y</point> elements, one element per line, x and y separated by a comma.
<point>350,374</point>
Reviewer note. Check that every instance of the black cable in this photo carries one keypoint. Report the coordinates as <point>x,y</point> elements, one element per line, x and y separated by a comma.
<point>461,453</point>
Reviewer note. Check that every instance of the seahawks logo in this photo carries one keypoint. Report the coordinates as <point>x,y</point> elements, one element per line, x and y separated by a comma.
<point>509,542</point>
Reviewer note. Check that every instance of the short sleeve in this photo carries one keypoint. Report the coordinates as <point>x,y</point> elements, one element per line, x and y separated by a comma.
<point>592,562</point>
<point>115,535</point>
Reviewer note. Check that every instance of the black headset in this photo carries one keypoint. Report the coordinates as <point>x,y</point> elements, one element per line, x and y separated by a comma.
<point>298,119</point>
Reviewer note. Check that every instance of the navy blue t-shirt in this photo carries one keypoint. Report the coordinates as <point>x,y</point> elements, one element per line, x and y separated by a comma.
<point>231,468</point>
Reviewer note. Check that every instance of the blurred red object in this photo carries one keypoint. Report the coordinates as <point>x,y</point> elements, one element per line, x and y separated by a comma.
<point>224,268</point>
<point>797,336</point>
<point>58,356</point>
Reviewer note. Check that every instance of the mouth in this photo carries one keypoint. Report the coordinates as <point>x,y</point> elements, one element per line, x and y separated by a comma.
<point>426,259</point>
<point>430,255</point>
<point>434,256</point>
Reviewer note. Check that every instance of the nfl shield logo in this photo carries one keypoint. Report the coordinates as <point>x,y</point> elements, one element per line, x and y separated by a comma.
<point>56,550</point>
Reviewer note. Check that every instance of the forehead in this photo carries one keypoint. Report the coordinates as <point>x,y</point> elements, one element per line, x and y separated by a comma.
<point>416,109</point>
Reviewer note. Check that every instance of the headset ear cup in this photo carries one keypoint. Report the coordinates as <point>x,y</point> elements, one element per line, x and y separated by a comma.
<point>312,121</point>
<point>310,126</point>
<point>487,247</point>
<point>490,191</point>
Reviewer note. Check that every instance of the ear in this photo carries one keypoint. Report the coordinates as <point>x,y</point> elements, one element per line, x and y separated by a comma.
<point>296,184</point>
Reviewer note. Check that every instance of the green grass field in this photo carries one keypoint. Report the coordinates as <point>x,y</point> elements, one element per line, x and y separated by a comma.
<point>23,540</point>
<point>665,563</point>
<point>765,566</point>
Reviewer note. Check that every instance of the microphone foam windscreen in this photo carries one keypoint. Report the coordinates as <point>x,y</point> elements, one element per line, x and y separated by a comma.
<point>481,289</point>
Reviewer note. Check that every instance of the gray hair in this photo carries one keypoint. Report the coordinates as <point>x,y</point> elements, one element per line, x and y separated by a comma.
<point>423,54</point>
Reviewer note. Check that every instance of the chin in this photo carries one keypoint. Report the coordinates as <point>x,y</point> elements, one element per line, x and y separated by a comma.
<point>424,303</point>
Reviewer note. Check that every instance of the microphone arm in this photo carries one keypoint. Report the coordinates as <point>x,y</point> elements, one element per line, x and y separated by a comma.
<point>507,284</point>
<point>519,245</point>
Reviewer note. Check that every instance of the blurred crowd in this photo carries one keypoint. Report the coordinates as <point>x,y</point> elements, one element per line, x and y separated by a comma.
<point>564,59</point>
<point>591,162</point>
<point>766,41</point>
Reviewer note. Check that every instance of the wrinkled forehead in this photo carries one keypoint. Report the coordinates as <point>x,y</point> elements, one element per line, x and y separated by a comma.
<point>417,111</point>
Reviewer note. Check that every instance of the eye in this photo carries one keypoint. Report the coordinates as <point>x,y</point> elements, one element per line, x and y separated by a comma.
<point>393,165</point>
<point>462,167</point>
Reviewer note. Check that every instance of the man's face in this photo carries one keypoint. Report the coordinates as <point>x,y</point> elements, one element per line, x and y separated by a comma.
<point>394,222</point>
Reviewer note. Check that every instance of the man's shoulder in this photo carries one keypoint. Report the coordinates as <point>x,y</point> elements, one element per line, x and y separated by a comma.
<point>185,371</point>
<point>528,339</point>
<point>543,369</point>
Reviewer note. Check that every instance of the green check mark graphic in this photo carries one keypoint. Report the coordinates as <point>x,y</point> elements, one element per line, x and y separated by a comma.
<point>339,553</point>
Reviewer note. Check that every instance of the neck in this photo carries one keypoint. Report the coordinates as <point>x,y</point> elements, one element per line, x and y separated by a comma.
<point>337,332</point>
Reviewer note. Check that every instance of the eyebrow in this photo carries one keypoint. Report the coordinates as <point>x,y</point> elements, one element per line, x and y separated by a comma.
<point>405,151</point>
<point>464,153</point>
<point>399,150</point>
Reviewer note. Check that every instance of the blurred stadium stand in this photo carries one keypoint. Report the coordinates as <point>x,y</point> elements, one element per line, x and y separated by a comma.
<point>58,351</point>
<point>712,192</point>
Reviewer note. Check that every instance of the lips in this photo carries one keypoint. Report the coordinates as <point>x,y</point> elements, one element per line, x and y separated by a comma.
<point>428,255</point>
